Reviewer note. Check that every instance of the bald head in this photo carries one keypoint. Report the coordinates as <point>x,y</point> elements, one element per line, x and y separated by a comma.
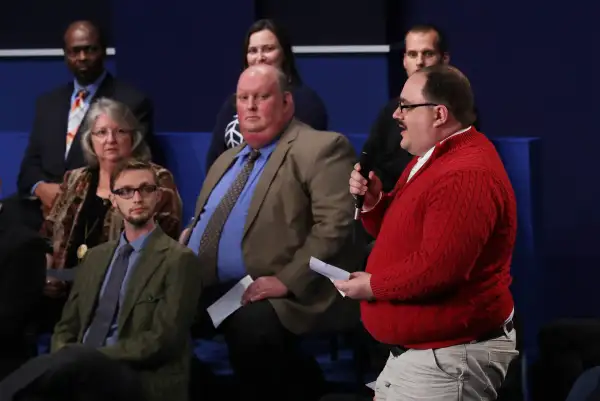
<point>84,51</point>
<point>81,28</point>
<point>268,73</point>
<point>264,105</point>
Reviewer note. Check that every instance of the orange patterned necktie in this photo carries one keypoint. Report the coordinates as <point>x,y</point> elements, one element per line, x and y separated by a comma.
<point>78,109</point>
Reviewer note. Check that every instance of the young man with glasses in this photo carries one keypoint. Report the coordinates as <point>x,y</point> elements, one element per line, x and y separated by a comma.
<point>134,299</point>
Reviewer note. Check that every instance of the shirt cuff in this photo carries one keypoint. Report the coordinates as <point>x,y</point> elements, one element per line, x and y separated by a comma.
<point>366,210</point>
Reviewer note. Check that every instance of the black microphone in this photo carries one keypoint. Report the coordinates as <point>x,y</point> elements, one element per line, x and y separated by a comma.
<point>365,168</point>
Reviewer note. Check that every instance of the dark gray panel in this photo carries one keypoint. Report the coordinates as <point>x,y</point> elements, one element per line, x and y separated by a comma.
<point>329,22</point>
<point>32,24</point>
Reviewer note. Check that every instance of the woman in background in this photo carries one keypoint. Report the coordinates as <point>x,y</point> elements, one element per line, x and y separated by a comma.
<point>267,43</point>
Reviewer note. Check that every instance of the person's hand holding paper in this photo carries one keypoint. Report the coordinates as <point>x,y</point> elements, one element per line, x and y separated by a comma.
<point>358,286</point>
<point>331,272</point>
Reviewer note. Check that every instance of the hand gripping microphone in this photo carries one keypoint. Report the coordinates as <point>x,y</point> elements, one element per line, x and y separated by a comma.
<point>365,168</point>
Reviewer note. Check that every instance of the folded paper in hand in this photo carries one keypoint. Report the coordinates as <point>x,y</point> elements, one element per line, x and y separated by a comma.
<point>329,271</point>
<point>228,303</point>
<point>371,385</point>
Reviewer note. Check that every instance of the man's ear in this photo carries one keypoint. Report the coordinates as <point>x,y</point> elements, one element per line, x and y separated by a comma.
<point>287,97</point>
<point>441,115</point>
<point>446,58</point>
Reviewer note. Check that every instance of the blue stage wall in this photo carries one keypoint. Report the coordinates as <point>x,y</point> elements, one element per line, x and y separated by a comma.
<point>22,80</point>
<point>528,62</point>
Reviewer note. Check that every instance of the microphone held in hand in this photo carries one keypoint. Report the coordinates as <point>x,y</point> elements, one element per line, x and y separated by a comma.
<point>365,169</point>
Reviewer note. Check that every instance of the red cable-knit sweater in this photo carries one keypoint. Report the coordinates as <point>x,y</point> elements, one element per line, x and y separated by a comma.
<point>444,241</point>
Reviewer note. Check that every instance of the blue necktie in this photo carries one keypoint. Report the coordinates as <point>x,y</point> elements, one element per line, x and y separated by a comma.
<point>109,301</point>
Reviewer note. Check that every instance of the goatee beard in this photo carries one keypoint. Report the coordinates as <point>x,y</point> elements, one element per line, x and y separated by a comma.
<point>138,222</point>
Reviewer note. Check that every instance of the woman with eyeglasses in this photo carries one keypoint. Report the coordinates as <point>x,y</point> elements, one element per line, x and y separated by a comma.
<point>81,216</point>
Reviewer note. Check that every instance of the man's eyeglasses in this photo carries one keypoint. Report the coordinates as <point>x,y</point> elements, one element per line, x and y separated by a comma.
<point>404,107</point>
<point>128,192</point>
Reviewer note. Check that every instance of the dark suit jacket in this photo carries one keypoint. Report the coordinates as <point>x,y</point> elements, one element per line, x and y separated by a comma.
<point>383,145</point>
<point>155,318</point>
<point>44,158</point>
<point>22,276</point>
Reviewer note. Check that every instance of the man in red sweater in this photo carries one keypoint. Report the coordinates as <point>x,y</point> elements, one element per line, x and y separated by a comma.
<point>436,286</point>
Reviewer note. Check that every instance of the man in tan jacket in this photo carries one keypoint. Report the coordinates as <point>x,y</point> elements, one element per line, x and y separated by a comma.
<point>267,207</point>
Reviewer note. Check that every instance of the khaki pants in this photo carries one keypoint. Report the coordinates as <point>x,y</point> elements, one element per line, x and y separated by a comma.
<point>463,372</point>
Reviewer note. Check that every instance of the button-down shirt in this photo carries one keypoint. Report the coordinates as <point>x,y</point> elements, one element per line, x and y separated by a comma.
<point>230,260</point>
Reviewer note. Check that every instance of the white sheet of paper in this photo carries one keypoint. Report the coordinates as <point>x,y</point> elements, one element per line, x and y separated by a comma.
<point>371,385</point>
<point>329,271</point>
<point>228,303</point>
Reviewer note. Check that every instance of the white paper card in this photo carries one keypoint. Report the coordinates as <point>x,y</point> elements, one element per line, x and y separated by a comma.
<point>371,385</point>
<point>228,303</point>
<point>329,271</point>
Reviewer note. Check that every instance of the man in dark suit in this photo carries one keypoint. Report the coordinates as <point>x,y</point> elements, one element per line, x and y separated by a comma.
<point>424,45</point>
<point>22,277</point>
<point>54,144</point>
<point>152,281</point>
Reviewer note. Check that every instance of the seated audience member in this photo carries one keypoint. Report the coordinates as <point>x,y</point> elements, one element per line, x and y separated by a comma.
<point>267,43</point>
<point>436,287</point>
<point>134,298</point>
<point>264,210</point>
<point>55,141</point>
<point>22,276</point>
<point>82,215</point>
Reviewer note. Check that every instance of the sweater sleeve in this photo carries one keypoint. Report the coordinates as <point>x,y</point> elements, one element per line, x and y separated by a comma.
<point>217,143</point>
<point>461,213</point>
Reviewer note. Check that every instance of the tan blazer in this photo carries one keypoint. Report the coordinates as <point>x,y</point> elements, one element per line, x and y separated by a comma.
<point>301,208</point>
<point>155,318</point>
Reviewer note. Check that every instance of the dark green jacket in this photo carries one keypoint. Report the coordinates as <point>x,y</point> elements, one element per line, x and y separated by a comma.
<point>155,318</point>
